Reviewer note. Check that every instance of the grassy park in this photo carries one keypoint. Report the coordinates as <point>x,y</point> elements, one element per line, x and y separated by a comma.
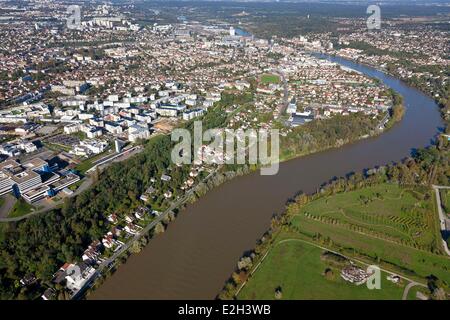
<point>270,78</point>
<point>88,163</point>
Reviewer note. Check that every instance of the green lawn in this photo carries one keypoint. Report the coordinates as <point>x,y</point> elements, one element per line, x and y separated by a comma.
<point>56,147</point>
<point>84,166</point>
<point>76,185</point>
<point>298,269</point>
<point>270,78</point>
<point>21,207</point>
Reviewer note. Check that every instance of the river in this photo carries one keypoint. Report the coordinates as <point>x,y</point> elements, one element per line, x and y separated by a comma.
<point>198,252</point>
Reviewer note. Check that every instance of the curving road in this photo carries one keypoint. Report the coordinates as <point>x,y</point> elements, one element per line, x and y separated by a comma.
<point>198,252</point>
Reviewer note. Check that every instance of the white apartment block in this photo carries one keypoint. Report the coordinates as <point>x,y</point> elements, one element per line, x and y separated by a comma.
<point>136,132</point>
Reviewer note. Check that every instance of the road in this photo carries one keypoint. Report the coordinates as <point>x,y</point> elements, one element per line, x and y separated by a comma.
<point>125,154</point>
<point>384,120</point>
<point>444,222</point>
<point>282,107</point>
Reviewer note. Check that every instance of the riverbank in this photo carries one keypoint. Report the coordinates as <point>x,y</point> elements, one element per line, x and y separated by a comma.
<point>193,258</point>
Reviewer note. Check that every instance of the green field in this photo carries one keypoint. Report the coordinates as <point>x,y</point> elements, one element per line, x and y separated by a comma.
<point>445,199</point>
<point>393,227</point>
<point>270,78</point>
<point>297,268</point>
<point>84,166</point>
<point>56,147</point>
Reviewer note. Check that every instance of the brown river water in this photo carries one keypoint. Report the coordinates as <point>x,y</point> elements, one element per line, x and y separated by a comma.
<point>199,251</point>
